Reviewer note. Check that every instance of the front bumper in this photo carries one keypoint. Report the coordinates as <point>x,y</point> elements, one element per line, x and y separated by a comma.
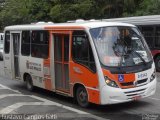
<point>110,95</point>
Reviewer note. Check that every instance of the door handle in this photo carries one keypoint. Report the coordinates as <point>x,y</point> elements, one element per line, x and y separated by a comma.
<point>77,70</point>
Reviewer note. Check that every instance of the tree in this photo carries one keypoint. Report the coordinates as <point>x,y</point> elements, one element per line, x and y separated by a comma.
<point>24,11</point>
<point>27,11</point>
<point>148,7</point>
<point>63,11</point>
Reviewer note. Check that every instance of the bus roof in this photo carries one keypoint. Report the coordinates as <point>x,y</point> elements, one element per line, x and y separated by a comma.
<point>77,25</point>
<point>139,20</point>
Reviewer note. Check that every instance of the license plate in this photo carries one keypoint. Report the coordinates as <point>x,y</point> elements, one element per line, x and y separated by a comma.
<point>136,97</point>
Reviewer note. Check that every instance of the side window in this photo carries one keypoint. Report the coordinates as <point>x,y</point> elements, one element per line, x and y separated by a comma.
<point>7,42</point>
<point>40,44</point>
<point>81,50</point>
<point>25,46</point>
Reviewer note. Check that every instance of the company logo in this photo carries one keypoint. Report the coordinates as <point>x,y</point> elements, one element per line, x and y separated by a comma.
<point>120,78</point>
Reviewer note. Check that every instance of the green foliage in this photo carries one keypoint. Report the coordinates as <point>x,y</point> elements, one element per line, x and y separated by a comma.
<point>148,7</point>
<point>27,11</point>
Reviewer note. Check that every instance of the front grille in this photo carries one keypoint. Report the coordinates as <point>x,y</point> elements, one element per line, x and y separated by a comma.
<point>132,83</point>
<point>142,81</point>
<point>133,93</point>
<point>127,83</point>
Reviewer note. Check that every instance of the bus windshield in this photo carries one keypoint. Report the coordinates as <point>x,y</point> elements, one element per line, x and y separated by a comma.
<point>120,46</point>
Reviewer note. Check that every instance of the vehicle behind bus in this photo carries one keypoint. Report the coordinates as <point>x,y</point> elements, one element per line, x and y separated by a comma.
<point>1,37</point>
<point>150,28</point>
<point>92,61</point>
<point>1,45</point>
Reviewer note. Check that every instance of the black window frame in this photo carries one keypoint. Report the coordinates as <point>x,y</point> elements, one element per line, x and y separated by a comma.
<point>89,50</point>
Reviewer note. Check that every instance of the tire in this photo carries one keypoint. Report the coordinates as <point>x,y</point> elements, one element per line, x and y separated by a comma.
<point>82,97</point>
<point>29,82</point>
<point>157,63</point>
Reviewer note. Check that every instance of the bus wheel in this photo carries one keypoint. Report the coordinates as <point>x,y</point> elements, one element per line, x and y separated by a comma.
<point>157,63</point>
<point>82,97</point>
<point>29,83</point>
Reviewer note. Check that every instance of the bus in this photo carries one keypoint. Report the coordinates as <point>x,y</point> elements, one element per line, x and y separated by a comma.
<point>150,28</point>
<point>91,61</point>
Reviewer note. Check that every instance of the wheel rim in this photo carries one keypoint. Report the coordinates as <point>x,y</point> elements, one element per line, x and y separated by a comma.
<point>82,97</point>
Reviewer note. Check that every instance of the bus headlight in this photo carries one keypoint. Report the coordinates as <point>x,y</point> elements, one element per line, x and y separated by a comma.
<point>153,76</point>
<point>110,82</point>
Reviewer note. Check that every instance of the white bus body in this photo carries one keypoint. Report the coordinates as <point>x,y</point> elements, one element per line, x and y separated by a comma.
<point>72,59</point>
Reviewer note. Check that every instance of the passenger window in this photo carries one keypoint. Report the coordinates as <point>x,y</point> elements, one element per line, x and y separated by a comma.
<point>25,46</point>
<point>81,50</point>
<point>40,44</point>
<point>7,42</point>
<point>66,48</point>
<point>58,47</point>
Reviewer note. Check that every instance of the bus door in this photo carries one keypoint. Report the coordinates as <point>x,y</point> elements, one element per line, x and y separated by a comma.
<point>61,61</point>
<point>7,55</point>
<point>16,46</point>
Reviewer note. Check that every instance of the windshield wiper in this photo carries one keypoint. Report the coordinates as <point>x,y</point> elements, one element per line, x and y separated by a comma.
<point>140,57</point>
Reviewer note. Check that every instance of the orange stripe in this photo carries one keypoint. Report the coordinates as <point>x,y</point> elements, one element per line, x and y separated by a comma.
<point>64,27</point>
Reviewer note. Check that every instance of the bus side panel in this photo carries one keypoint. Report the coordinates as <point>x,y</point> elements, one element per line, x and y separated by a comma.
<point>23,65</point>
<point>82,75</point>
<point>7,66</point>
<point>94,95</point>
<point>35,66</point>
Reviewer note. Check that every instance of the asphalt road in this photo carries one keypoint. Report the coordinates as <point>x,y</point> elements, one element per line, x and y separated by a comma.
<point>43,102</point>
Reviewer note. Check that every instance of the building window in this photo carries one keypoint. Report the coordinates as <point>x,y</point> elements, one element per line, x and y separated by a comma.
<point>40,44</point>
<point>157,37</point>
<point>7,42</point>
<point>25,46</point>
<point>148,32</point>
<point>81,50</point>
